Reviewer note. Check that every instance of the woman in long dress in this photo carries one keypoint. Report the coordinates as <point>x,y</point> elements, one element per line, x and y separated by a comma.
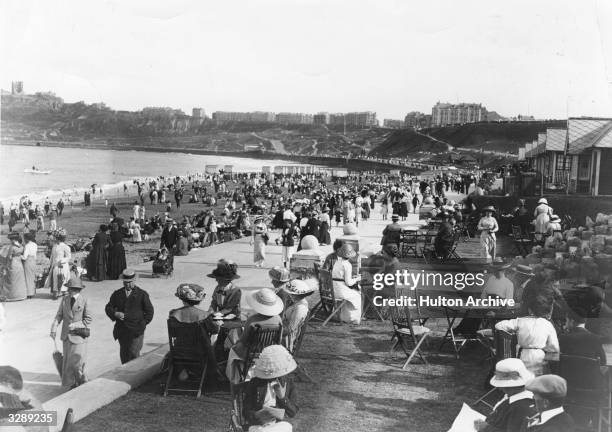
<point>97,259</point>
<point>29,263</point>
<point>258,242</point>
<point>116,255</point>
<point>59,271</point>
<point>324,236</point>
<point>343,280</point>
<point>542,214</point>
<point>488,227</point>
<point>14,285</point>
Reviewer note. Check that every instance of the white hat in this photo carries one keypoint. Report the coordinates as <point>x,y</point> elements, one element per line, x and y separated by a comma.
<point>543,201</point>
<point>298,287</point>
<point>510,372</point>
<point>265,302</point>
<point>273,362</point>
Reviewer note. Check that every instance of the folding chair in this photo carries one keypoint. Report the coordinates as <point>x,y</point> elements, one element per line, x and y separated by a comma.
<point>588,391</point>
<point>188,348</point>
<point>404,331</point>
<point>328,303</point>
<point>521,243</point>
<point>260,337</point>
<point>463,230</point>
<point>408,243</point>
<point>238,421</point>
<point>368,302</point>
<point>505,344</point>
<point>428,249</point>
<point>293,345</point>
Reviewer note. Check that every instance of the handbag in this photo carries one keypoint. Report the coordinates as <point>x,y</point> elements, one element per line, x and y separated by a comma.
<point>84,332</point>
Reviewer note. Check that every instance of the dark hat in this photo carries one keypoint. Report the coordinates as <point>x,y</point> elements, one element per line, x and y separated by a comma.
<point>488,208</point>
<point>14,236</point>
<point>75,283</point>
<point>500,265</point>
<point>225,270</point>
<point>548,386</point>
<point>128,274</point>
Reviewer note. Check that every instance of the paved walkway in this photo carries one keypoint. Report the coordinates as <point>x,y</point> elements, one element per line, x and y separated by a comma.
<point>27,344</point>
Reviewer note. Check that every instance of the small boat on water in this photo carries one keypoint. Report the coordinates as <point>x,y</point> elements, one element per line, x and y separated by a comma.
<point>35,170</point>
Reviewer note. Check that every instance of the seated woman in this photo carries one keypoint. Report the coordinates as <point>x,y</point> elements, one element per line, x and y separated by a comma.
<point>296,310</point>
<point>344,283</point>
<point>444,240</point>
<point>226,296</point>
<point>536,334</point>
<point>271,394</point>
<point>267,307</point>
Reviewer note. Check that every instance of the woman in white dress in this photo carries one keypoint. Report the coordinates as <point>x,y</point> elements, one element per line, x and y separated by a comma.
<point>134,229</point>
<point>59,271</point>
<point>259,242</point>
<point>488,227</point>
<point>29,263</point>
<point>343,281</point>
<point>542,214</point>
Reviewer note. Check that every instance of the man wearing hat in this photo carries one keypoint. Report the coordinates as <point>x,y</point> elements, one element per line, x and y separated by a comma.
<point>549,392</point>
<point>392,232</point>
<point>73,313</point>
<point>510,412</point>
<point>131,310</point>
<point>169,236</point>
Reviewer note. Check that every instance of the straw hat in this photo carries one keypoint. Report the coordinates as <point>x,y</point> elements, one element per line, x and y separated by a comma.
<point>543,201</point>
<point>500,265</point>
<point>555,218</point>
<point>524,270</point>
<point>349,229</point>
<point>309,242</point>
<point>346,251</point>
<point>265,302</point>
<point>279,274</point>
<point>75,283</point>
<point>489,209</point>
<point>395,217</point>
<point>274,362</point>
<point>128,274</point>
<point>511,372</point>
<point>190,292</point>
<point>298,287</point>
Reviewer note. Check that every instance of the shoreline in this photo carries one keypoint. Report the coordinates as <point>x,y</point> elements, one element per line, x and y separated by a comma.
<point>331,162</point>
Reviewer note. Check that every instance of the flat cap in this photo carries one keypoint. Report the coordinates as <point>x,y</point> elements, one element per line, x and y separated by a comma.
<point>128,274</point>
<point>548,386</point>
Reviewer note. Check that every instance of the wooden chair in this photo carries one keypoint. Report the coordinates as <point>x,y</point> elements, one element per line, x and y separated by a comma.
<point>328,303</point>
<point>260,337</point>
<point>428,249</point>
<point>522,244</point>
<point>293,345</point>
<point>238,421</point>
<point>407,328</point>
<point>588,394</point>
<point>505,346</point>
<point>408,244</point>
<point>189,349</point>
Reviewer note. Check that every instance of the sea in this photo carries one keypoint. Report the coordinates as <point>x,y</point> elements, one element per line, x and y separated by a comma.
<point>74,170</point>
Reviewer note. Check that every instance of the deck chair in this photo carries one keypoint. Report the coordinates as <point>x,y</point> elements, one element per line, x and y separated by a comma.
<point>294,344</point>
<point>237,418</point>
<point>328,303</point>
<point>505,346</point>
<point>588,396</point>
<point>260,337</point>
<point>407,329</point>
<point>188,349</point>
<point>521,243</point>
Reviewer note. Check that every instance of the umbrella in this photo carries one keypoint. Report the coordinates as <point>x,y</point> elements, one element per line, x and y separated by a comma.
<point>58,359</point>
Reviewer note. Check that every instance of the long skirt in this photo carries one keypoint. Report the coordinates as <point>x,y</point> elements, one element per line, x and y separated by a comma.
<point>487,246</point>
<point>14,284</point>
<point>116,261</point>
<point>351,311</point>
<point>29,269</point>
<point>73,367</point>
<point>59,274</point>
<point>324,237</point>
<point>534,360</point>
<point>259,249</point>
<point>232,369</point>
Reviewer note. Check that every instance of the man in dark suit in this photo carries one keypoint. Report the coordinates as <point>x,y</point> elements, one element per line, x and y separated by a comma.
<point>392,232</point>
<point>131,309</point>
<point>579,341</point>
<point>549,392</point>
<point>169,236</point>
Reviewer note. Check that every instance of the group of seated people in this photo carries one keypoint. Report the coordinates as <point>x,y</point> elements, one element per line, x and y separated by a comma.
<point>270,393</point>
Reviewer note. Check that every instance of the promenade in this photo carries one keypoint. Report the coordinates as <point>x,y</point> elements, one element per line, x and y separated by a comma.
<point>29,347</point>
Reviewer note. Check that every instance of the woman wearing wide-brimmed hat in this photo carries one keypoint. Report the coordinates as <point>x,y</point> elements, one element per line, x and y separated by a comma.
<point>226,296</point>
<point>267,307</point>
<point>542,214</point>
<point>487,225</point>
<point>59,271</point>
<point>259,241</point>
<point>343,281</point>
<point>13,278</point>
<point>271,393</point>
<point>296,311</point>
<point>73,313</point>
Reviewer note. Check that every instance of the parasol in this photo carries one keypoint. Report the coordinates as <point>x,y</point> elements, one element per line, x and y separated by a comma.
<point>58,359</point>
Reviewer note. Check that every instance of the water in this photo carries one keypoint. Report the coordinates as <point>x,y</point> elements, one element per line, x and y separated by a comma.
<point>75,169</point>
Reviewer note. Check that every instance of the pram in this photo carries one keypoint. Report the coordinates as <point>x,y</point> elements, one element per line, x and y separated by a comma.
<point>163,263</point>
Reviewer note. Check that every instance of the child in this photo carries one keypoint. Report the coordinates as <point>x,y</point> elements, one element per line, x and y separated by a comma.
<point>213,231</point>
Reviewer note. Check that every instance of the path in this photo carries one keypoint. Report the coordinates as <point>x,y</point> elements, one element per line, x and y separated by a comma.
<point>449,147</point>
<point>278,145</point>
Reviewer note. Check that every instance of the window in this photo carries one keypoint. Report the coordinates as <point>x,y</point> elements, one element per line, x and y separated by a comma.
<point>564,163</point>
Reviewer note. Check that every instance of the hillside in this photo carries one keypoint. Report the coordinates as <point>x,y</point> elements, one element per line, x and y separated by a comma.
<point>490,137</point>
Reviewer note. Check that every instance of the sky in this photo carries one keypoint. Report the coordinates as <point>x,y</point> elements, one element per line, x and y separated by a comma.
<point>547,58</point>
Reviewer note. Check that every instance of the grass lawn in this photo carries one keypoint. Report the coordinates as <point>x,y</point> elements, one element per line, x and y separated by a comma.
<point>359,386</point>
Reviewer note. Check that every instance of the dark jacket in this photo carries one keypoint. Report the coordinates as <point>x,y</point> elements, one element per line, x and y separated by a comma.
<point>559,423</point>
<point>256,392</point>
<point>509,417</point>
<point>138,312</point>
<point>228,303</point>
<point>169,238</point>
<point>287,238</point>
<point>581,342</point>
<point>444,239</point>
<point>391,234</point>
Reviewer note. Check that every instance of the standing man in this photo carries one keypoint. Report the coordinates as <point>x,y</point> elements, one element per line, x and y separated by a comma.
<point>131,309</point>
<point>74,315</point>
<point>392,232</point>
<point>169,236</point>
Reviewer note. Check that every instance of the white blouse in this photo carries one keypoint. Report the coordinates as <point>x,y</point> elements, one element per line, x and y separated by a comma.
<point>532,332</point>
<point>29,250</point>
